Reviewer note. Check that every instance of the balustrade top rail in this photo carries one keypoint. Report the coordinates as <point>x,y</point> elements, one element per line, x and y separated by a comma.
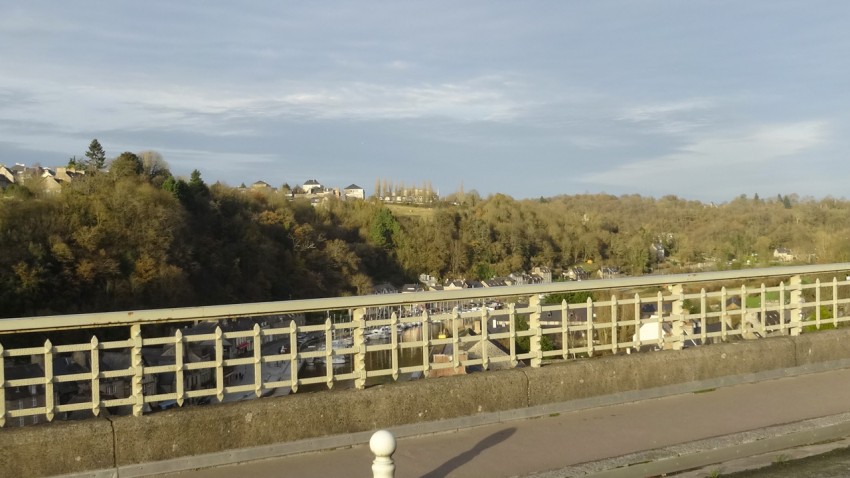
<point>74,321</point>
<point>264,353</point>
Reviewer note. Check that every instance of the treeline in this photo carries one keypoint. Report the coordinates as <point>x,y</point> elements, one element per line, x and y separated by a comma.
<point>129,239</point>
<point>497,235</point>
<point>137,237</point>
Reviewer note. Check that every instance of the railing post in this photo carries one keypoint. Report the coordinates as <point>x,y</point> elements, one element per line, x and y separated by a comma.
<point>179,376</point>
<point>138,369</point>
<point>259,383</point>
<point>426,344</point>
<point>294,361</point>
<point>394,353</point>
<point>484,339</point>
<point>329,350</point>
<point>95,377</point>
<point>638,323</point>
<point>795,305</point>
<point>615,309</point>
<point>763,300</point>
<point>835,302</point>
<point>659,313</point>
<point>219,364</point>
<point>2,389</point>
<point>723,315</point>
<point>677,325</point>
<point>589,319</point>
<point>817,303</point>
<point>782,309</point>
<point>565,329</point>
<point>49,378</point>
<point>512,333</point>
<point>456,320</point>
<point>703,314</point>
<point>534,326</point>
<point>359,359</point>
<point>383,445</point>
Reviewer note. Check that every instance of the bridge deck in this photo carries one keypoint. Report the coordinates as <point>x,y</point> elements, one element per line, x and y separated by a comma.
<point>526,447</point>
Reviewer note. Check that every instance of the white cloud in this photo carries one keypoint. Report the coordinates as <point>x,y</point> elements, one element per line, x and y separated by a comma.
<point>712,161</point>
<point>136,106</point>
<point>400,65</point>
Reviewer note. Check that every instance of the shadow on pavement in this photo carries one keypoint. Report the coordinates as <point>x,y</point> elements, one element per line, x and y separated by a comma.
<point>468,455</point>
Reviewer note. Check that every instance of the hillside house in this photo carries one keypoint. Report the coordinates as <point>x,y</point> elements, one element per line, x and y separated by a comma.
<point>544,273</point>
<point>783,254</point>
<point>311,186</point>
<point>7,177</point>
<point>66,175</point>
<point>354,191</point>
<point>454,285</point>
<point>519,278</point>
<point>262,186</point>
<point>576,273</point>
<point>384,288</point>
<point>495,282</point>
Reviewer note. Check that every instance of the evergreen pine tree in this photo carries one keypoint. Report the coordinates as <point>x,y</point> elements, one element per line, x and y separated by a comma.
<point>96,155</point>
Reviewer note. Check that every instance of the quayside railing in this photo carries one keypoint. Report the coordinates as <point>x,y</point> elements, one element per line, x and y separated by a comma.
<point>174,357</point>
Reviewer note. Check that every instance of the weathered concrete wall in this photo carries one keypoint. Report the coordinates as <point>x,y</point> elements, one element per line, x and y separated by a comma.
<point>56,448</point>
<point>70,447</point>
<point>824,346</point>
<point>199,430</point>
<point>608,375</point>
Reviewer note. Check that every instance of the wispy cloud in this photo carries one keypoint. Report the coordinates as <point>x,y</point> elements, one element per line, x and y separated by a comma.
<point>19,21</point>
<point>217,159</point>
<point>670,117</point>
<point>658,111</point>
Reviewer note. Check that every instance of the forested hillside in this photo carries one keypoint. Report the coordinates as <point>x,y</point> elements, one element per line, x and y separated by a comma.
<point>136,237</point>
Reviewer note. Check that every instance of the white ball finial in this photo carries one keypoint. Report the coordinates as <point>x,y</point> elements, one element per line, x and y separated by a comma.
<point>382,443</point>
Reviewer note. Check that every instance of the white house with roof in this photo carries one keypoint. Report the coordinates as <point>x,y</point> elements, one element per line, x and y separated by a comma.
<point>544,273</point>
<point>311,186</point>
<point>7,177</point>
<point>354,191</point>
<point>783,254</point>
<point>262,186</point>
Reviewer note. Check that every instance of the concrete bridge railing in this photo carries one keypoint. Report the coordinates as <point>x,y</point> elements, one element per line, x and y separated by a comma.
<point>684,311</point>
<point>197,437</point>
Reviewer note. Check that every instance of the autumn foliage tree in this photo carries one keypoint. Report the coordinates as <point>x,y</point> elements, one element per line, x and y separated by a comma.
<point>139,237</point>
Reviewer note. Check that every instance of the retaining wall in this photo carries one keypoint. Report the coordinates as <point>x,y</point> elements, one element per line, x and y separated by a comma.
<point>224,433</point>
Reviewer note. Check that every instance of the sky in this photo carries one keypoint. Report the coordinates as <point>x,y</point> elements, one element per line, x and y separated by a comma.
<point>705,100</point>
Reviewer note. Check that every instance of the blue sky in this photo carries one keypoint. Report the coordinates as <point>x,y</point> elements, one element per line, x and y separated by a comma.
<point>705,100</point>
